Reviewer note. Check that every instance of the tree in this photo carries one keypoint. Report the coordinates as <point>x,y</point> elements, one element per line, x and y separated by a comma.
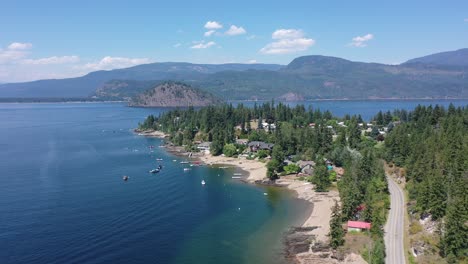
<point>229,150</point>
<point>322,178</point>
<point>336,229</point>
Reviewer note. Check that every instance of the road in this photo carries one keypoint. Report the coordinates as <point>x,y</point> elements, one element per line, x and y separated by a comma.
<point>394,227</point>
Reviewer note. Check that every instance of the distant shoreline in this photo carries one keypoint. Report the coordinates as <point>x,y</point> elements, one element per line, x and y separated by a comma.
<point>72,100</point>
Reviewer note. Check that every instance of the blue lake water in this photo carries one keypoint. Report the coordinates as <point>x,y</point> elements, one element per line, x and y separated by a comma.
<point>62,198</point>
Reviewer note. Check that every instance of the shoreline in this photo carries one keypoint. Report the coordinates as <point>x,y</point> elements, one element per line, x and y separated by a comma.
<point>314,222</point>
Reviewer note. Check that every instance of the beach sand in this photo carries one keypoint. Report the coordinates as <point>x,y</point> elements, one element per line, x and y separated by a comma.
<point>256,169</point>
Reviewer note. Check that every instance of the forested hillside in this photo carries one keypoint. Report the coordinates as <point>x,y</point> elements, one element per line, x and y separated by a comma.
<point>431,143</point>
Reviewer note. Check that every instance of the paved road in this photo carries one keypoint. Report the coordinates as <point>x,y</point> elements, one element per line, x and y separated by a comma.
<point>394,227</point>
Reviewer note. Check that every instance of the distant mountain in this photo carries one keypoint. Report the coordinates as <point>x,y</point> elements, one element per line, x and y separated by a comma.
<point>173,94</point>
<point>307,77</point>
<point>452,58</point>
<point>86,85</point>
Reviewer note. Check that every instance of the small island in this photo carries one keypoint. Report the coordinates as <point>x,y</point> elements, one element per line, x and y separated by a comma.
<point>174,94</point>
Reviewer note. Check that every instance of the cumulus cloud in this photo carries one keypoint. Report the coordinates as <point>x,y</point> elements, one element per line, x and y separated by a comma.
<point>203,45</point>
<point>213,25</point>
<point>209,33</point>
<point>19,46</point>
<point>287,34</point>
<point>287,41</point>
<point>14,52</point>
<point>234,30</point>
<point>361,41</point>
<point>52,60</point>
<point>109,63</point>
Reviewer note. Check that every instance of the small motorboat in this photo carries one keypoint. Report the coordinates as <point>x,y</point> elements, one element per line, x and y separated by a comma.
<point>203,182</point>
<point>237,174</point>
<point>154,171</point>
<point>186,169</point>
<point>159,159</point>
<point>236,177</point>
<point>125,178</point>
<point>184,162</point>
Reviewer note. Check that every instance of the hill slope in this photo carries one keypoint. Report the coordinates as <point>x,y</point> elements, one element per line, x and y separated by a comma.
<point>453,58</point>
<point>173,94</point>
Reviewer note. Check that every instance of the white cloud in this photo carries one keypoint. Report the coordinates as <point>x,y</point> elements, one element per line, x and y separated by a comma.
<point>213,25</point>
<point>361,41</point>
<point>14,52</point>
<point>203,45</point>
<point>287,41</point>
<point>19,46</point>
<point>234,30</point>
<point>466,20</point>
<point>252,61</point>
<point>209,33</point>
<point>177,45</point>
<point>109,63</point>
<point>287,34</point>
<point>52,60</point>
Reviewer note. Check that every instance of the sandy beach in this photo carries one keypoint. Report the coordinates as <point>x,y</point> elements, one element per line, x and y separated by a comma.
<point>256,169</point>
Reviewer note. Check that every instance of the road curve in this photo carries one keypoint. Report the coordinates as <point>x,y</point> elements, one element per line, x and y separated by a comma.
<point>394,228</point>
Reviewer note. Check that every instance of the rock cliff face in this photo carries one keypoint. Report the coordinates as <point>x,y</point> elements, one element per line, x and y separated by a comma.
<point>174,94</point>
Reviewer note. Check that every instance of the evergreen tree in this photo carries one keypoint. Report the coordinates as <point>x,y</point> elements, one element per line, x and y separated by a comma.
<point>336,229</point>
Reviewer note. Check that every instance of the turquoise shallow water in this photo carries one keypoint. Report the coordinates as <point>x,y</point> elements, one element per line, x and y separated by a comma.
<point>62,198</point>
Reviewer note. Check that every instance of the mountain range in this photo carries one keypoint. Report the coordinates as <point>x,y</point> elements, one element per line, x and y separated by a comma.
<point>441,75</point>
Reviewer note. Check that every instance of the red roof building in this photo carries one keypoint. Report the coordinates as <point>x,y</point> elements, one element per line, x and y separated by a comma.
<point>358,225</point>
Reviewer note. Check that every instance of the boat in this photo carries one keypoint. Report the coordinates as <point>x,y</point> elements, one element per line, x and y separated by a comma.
<point>237,174</point>
<point>184,162</point>
<point>125,178</point>
<point>203,182</point>
<point>159,159</point>
<point>186,169</point>
<point>154,171</point>
<point>236,177</point>
<point>224,167</point>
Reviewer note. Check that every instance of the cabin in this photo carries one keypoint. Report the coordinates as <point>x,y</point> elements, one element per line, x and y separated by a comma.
<point>204,146</point>
<point>255,146</point>
<point>242,141</point>
<point>307,166</point>
<point>358,226</point>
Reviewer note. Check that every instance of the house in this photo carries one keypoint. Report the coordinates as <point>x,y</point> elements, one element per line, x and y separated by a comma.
<point>358,226</point>
<point>204,146</point>
<point>255,146</point>
<point>307,167</point>
<point>242,141</point>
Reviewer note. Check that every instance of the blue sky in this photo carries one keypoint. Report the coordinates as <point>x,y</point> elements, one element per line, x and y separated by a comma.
<point>57,39</point>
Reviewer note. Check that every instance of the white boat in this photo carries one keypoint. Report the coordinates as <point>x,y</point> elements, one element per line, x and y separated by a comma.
<point>186,169</point>
<point>159,159</point>
<point>203,182</point>
<point>237,174</point>
<point>184,162</point>
<point>236,177</point>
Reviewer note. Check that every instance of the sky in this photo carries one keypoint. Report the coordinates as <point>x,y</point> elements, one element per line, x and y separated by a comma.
<point>59,39</point>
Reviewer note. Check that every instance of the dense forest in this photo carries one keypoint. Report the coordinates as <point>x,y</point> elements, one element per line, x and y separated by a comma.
<point>431,143</point>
